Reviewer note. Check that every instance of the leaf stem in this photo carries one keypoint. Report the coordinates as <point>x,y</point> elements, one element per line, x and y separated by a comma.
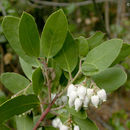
<point>23,90</point>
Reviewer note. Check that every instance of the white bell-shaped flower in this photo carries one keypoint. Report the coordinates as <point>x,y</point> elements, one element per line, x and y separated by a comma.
<point>56,123</point>
<point>95,100</point>
<point>78,104</point>
<point>81,92</point>
<point>102,95</point>
<point>90,92</point>
<point>71,102</point>
<point>64,127</point>
<point>86,101</point>
<point>76,127</point>
<point>73,95</point>
<point>70,89</point>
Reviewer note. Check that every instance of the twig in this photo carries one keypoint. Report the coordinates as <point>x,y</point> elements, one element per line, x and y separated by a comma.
<point>42,110</point>
<point>48,80</point>
<point>107,17</point>
<point>57,108</point>
<point>23,90</point>
<point>51,3</point>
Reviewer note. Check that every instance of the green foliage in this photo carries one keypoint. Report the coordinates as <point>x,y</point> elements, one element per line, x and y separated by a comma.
<point>125,51</point>
<point>17,105</point>
<point>37,80</point>
<point>95,40</point>
<point>83,46</point>
<point>81,114</point>
<point>28,35</point>
<point>27,68</point>
<point>24,122</point>
<point>3,127</point>
<point>2,97</point>
<point>50,128</point>
<point>14,82</point>
<point>11,30</point>
<point>54,34</point>
<point>110,79</point>
<point>55,61</point>
<point>67,58</point>
<point>101,57</point>
<point>85,124</point>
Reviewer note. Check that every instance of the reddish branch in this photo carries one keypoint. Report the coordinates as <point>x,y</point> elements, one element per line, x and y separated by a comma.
<point>45,113</point>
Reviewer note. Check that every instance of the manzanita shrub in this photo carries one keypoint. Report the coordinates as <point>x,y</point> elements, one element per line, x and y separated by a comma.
<point>64,75</point>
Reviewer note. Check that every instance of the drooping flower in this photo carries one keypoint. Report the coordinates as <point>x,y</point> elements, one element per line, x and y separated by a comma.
<point>70,89</point>
<point>81,92</point>
<point>86,101</point>
<point>95,100</point>
<point>102,95</point>
<point>78,104</point>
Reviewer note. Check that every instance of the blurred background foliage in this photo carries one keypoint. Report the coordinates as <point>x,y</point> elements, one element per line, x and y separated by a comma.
<point>85,18</point>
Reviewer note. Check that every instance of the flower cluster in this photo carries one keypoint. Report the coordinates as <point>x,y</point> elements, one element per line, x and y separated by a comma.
<point>58,124</point>
<point>80,96</point>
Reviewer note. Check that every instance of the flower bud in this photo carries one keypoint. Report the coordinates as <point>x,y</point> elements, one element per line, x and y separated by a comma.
<point>76,127</point>
<point>64,99</point>
<point>78,104</point>
<point>86,101</point>
<point>95,100</point>
<point>70,89</point>
<point>58,102</point>
<point>63,127</point>
<point>81,92</point>
<point>90,92</point>
<point>102,95</point>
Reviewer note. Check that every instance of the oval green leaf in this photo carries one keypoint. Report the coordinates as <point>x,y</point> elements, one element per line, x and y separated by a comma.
<point>27,68</point>
<point>37,80</point>
<point>14,82</point>
<point>28,35</point>
<point>10,27</point>
<point>54,34</point>
<point>101,57</point>
<point>17,105</point>
<point>83,46</point>
<point>95,40</point>
<point>67,58</point>
<point>110,79</point>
